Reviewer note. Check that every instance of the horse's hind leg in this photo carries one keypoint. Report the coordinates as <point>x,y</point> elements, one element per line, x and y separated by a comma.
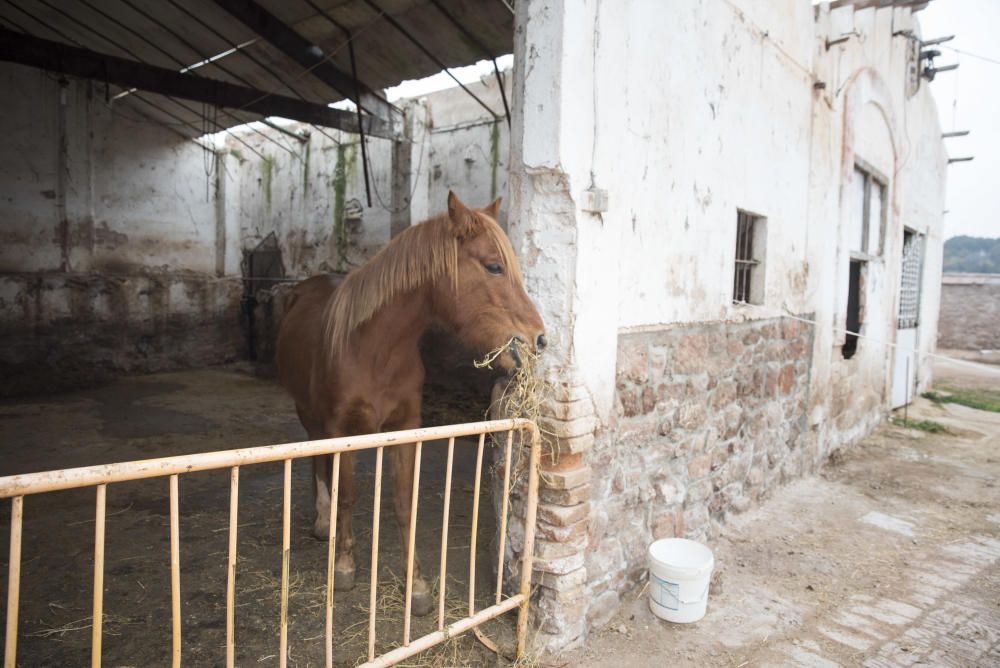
<point>403,460</point>
<point>346,496</point>
<point>321,477</point>
<point>343,567</point>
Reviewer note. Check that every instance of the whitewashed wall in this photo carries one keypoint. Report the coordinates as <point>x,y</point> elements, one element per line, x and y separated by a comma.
<point>673,406</point>
<point>726,114</point>
<point>108,218</point>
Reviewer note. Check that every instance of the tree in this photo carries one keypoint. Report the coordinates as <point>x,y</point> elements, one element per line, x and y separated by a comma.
<point>964,254</point>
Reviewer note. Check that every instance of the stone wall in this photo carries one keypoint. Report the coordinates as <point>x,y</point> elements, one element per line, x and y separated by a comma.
<point>62,330</point>
<point>970,312</point>
<point>709,418</point>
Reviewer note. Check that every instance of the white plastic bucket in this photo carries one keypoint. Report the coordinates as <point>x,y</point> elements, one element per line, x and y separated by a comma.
<point>679,574</point>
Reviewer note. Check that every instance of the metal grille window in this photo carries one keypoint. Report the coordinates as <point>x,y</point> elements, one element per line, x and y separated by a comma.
<point>909,289</point>
<point>748,277</point>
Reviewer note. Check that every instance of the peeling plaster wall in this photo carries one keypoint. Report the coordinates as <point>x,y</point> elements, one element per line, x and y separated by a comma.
<point>299,192</point>
<point>468,148</point>
<point>123,243</point>
<point>685,113</point>
<point>732,132</point>
<point>92,187</point>
<point>872,118</point>
<point>109,242</point>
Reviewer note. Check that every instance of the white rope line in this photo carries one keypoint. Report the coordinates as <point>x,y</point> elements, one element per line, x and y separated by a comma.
<point>888,344</point>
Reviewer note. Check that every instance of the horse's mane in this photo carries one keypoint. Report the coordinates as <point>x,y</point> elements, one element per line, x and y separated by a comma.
<point>422,253</point>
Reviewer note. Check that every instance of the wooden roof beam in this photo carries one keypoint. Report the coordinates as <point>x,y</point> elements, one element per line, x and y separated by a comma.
<point>33,51</point>
<point>307,54</point>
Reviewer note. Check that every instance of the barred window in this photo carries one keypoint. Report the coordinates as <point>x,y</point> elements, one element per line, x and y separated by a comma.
<point>748,276</point>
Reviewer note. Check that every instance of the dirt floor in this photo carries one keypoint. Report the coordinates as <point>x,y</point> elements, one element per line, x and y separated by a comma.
<point>891,557</point>
<point>196,411</point>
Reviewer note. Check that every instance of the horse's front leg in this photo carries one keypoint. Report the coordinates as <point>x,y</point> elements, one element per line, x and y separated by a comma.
<point>403,459</point>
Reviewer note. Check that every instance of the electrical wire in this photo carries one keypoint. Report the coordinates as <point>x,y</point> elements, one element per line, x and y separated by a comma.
<point>416,182</point>
<point>971,55</point>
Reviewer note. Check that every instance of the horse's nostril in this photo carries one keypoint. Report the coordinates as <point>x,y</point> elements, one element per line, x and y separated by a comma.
<point>540,342</point>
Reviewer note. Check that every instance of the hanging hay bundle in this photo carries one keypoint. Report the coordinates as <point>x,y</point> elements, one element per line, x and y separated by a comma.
<point>522,396</point>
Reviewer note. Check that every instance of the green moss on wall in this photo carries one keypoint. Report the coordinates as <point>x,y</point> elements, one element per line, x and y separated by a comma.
<point>267,177</point>
<point>494,158</point>
<point>305,169</point>
<point>344,171</point>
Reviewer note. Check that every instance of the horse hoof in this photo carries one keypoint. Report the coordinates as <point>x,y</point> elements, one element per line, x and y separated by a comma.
<point>321,530</point>
<point>422,603</point>
<point>343,580</point>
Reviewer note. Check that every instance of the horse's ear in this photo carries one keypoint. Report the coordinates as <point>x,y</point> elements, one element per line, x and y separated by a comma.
<point>464,223</point>
<point>493,209</point>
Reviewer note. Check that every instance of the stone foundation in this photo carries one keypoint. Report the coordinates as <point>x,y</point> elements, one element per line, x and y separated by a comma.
<point>708,419</point>
<point>60,331</point>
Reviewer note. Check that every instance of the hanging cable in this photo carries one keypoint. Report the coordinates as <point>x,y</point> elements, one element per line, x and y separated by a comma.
<point>357,94</point>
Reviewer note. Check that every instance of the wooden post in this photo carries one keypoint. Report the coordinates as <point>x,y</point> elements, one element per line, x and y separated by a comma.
<point>402,178</point>
<point>175,573</point>
<point>374,575</point>
<point>475,525</point>
<point>286,521</point>
<point>503,513</point>
<point>234,492</point>
<point>444,534</point>
<point>97,621</point>
<point>527,556</point>
<point>13,580</point>
<point>411,544</point>
<point>331,556</point>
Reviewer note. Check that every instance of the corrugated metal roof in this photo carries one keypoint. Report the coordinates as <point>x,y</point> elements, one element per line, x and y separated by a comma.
<point>174,34</point>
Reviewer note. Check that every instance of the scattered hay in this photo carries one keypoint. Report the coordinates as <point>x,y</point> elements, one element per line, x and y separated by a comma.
<point>462,650</point>
<point>111,626</point>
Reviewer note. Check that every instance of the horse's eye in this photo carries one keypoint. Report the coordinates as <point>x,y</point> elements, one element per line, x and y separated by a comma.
<point>494,268</point>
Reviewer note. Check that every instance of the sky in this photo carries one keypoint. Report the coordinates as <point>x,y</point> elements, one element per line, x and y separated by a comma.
<point>440,81</point>
<point>969,99</point>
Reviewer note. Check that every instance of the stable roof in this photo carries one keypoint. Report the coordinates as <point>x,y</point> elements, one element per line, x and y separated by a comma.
<point>176,61</point>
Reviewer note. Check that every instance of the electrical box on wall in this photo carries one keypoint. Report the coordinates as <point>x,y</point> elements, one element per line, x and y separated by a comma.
<point>595,200</point>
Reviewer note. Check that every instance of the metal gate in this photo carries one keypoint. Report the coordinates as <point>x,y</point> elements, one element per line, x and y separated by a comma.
<point>17,487</point>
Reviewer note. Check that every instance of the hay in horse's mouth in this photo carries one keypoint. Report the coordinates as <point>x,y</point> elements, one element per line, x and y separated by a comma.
<point>491,357</point>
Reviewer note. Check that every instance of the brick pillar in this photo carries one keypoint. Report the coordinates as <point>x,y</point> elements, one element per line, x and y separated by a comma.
<point>563,514</point>
<point>569,255</point>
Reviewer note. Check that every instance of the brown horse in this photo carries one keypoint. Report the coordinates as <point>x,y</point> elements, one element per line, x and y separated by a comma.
<point>348,352</point>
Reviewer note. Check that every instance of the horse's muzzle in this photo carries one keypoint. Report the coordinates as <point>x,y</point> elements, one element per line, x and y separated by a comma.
<point>515,353</point>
